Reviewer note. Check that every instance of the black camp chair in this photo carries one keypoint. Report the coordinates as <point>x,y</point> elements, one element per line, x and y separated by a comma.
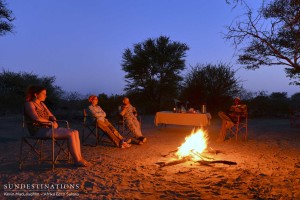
<point>33,145</point>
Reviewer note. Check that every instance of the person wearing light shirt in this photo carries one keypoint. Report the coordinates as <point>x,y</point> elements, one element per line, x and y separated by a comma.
<point>130,115</point>
<point>94,110</point>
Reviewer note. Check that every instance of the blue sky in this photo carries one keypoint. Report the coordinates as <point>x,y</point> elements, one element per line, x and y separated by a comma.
<point>81,42</point>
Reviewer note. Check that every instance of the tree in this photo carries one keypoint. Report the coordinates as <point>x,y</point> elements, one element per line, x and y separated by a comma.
<point>295,101</point>
<point>260,105</point>
<point>153,69</point>
<point>214,85</point>
<point>13,87</point>
<point>5,19</point>
<point>234,2</point>
<point>271,38</point>
<point>279,104</point>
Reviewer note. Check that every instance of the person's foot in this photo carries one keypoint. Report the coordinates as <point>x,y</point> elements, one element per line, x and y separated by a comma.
<point>142,139</point>
<point>83,163</point>
<point>125,145</point>
<point>140,142</point>
<point>134,140</point>
<point>128,140</point>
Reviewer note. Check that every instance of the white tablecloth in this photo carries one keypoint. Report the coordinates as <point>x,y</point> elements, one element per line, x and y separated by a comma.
<point>188,119</point>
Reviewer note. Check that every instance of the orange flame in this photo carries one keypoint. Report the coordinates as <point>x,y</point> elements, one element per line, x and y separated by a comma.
<point>194,144</point>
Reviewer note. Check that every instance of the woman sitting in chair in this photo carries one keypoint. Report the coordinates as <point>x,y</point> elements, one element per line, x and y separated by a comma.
<point>96,111</point>
<point>130,115</point>
<point>230,118</point>
<point>37,111</point>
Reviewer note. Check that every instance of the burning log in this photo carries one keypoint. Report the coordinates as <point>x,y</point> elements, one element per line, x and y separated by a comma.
<point>174,162</point>
<point>211,151</point>
<point>200,155</point>
<point>205,162</point>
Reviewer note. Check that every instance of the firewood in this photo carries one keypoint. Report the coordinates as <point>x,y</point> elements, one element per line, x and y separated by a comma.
<point>174,162</point>
<point>205,162</point>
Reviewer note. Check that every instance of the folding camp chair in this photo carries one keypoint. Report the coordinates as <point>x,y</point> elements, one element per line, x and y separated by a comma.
<point>91,129</point>
<point>33,145</point>
<point>240,127</point>
<point>121,126</point>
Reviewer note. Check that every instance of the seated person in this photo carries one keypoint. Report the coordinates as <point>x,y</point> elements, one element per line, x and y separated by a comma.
<point>130,118</point>
<point>35,110</point>
<point>230,118</point>
<point>96,111</point>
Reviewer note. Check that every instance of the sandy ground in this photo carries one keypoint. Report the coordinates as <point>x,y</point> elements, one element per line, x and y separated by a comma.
<point>268,166</point>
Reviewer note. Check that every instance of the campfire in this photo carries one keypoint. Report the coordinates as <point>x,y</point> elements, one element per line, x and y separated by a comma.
<point>193,146</point>
<point>192,149</point>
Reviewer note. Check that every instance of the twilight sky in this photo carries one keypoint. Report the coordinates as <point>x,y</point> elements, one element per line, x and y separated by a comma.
<point>81,42</point>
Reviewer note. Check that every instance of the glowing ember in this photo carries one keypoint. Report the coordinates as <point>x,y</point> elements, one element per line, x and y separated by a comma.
<point>194,144</point>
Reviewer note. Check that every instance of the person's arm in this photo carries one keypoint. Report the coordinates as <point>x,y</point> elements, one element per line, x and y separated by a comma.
<point>96,112</point>
<point>238,110</point>
<point>230,111</point>
<point>243,109</point>
<point>51,116</point>
<point>124,109</point>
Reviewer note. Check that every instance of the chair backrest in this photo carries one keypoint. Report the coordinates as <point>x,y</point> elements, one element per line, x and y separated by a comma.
<point>88,120</point>
<point>26,131</point>
<point>84,116</point>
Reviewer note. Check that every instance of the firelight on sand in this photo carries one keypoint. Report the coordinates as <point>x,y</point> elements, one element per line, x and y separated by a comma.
<point>194,144</point>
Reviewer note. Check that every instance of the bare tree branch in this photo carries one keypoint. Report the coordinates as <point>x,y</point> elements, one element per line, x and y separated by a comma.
<point>272,37</point>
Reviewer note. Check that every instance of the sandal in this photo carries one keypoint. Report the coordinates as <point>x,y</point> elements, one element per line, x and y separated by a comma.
<point>83,163</point>
<point>128,141</point>
<point>125,145</point>
<point>142,139</point>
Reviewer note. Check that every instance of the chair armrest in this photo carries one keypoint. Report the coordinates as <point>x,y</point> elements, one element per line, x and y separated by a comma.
<point>64,121</point>
<point>38,122</point>
<point>25,124</point>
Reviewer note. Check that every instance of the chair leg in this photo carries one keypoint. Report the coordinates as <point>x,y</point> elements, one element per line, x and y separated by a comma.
<point>82,136</point>
<point>21,153</point>
<point>101,137</point>
<point>97,136</point>
<point>246,133</point>
<point>92,131</point>
<point>61,149</point>
<point>53,159</point>
<point>35,147</point>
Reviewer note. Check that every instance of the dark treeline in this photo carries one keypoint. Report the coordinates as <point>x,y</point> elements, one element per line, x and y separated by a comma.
<point>69,105</point>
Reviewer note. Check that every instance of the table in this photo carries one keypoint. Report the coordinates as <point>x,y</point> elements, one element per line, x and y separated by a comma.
<point>187,119</point>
